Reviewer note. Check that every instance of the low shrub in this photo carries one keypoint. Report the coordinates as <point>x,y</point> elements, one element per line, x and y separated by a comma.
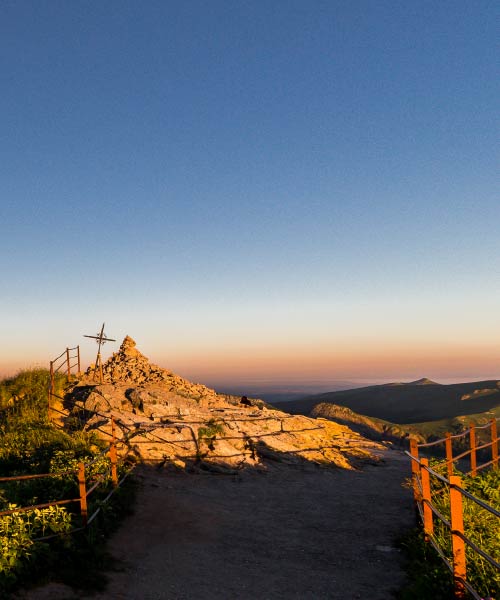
<point>30,444</point>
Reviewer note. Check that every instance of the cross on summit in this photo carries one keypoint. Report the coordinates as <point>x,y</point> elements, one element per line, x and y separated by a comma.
<point>101,338</point>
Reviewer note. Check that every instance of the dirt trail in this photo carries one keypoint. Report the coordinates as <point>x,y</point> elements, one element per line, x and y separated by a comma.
<point>293,532</point>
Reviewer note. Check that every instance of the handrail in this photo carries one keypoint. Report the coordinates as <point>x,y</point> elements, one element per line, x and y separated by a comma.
<point>60,355</point>
<point>478,501</point>
<point>460,489</point>
<point>84,492</point>
<point>423,498</point>
<point>458,435</point>
<point>482,553</point>
<point>20,509</point>
<point>429,444</point>
<point>36,476</point>
<point>54,368</point>
<point>485,426</point>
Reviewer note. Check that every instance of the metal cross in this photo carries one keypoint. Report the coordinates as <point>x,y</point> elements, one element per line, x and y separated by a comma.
<point>101,338</point>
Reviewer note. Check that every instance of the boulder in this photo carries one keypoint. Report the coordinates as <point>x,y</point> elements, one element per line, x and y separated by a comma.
<point>162,417</point>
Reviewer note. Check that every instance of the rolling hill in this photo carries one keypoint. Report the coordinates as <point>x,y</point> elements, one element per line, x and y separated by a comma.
<point>416,402</point>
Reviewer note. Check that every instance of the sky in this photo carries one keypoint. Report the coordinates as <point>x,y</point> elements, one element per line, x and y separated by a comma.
<point>269,191</point>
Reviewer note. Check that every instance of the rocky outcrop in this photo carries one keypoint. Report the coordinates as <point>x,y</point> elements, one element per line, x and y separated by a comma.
<point>161,416</point>
<point>370,427</point>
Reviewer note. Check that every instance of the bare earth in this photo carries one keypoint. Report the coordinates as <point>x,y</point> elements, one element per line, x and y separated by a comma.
<point>291,532</point>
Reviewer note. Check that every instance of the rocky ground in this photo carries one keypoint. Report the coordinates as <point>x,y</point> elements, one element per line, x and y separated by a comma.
<point>162,417</point>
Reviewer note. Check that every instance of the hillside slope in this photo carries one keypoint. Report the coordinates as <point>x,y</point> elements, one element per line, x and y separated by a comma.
<point>415,402</point>
<point>370,427</point>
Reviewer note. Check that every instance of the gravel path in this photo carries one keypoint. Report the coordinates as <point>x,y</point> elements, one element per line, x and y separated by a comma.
<point>292,532</point>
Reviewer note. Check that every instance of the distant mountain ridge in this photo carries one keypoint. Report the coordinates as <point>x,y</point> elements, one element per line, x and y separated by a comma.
<point>414,402</point>
<point>422,381</point>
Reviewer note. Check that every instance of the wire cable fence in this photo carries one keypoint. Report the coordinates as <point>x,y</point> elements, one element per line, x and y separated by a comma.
<point>446,509</point>
<point>87,479</point>
<point>67,362</point>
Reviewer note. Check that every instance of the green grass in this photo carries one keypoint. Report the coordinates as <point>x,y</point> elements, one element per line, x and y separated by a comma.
<point>31,444</point>
<point>427,574</point>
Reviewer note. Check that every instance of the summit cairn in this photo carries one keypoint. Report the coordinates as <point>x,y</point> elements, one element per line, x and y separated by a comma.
<point>162,417</point>
<point>128,364</point>
<point>128,347</point>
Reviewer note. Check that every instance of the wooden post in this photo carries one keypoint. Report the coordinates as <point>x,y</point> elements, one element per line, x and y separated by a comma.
<point>78,357</point>
<point>51,386</point>
<point>449,454</point>
<point>473,459</point>
<point>426,497</point>
<point>458,544</point>
<point>98,368</point>
<point>112,454</point>
<point>494,443</point>
<point>83,492</point>
<point>68,365</point>
<point>415,469</point>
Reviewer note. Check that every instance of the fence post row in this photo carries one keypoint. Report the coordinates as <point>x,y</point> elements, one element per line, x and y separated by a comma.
<point>473,461</point>
<point>422,495</point>
<point>457,542</point>
<point>51,386</point>
<point>449,454</point>
<point>112,454</point>
<point>426,498</point>
<point>68,365</point>
<point>83,492</point>
<point>53,371</point>
<point>494,443</point>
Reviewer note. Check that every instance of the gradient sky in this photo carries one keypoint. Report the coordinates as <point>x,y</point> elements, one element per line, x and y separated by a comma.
<point>272,191</point>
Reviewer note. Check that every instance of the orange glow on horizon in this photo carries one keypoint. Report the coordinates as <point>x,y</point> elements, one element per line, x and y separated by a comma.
<point>391,360</point>
<point>359,359</point>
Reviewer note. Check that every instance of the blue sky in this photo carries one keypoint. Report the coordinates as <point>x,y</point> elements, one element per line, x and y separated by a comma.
<point>252,188</point>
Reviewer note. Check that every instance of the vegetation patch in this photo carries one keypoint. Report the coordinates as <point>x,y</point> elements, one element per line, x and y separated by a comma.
<point>428,576</point>
<point>209,432</point>
<point>36,545</point>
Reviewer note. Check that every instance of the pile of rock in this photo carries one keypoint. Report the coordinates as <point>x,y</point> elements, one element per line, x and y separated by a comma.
<point>129,365</point>
<point>163,417</point>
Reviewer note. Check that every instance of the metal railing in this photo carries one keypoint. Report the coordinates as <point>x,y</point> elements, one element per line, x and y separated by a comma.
<point>424,479</point>
<point>63,363</point>
<point>87,484</point>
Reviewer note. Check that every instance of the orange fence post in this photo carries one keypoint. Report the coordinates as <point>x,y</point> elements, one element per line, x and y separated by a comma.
<point>112,454</point>
<point>68,365</point>
<point>449,454</point>
<point>458,544</point>
<point>426,497</point>
<point>473,459</point>
<point>83,492</point>
<point>78,357</point>
<point>494,443</point>
<point>51,386</point>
